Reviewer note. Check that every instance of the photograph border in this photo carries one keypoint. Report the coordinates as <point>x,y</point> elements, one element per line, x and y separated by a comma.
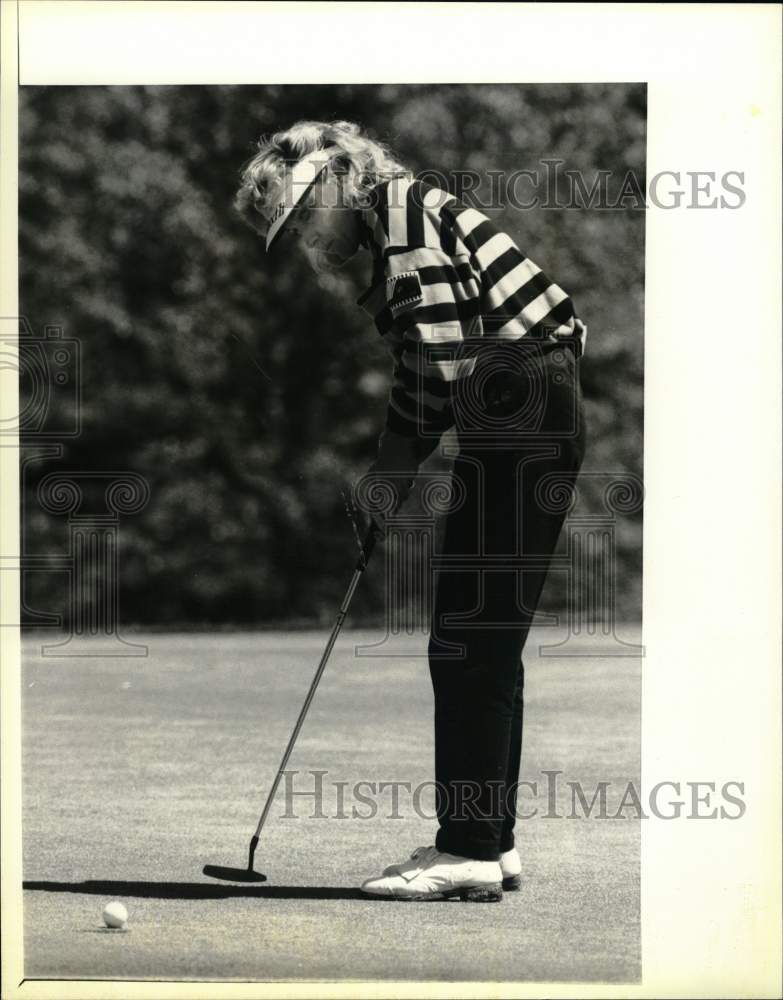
<point>712,591</point>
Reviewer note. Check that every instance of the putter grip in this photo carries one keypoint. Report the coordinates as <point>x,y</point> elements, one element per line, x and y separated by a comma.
<point>369,545</point>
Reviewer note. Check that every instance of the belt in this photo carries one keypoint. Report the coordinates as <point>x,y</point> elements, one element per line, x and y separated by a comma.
<point>551,341</point>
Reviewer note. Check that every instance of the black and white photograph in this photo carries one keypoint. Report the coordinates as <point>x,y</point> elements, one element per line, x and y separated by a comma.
<point>364,602</point>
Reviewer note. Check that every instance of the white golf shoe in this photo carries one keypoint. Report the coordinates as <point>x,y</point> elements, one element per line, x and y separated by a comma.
<point>430,874</point>
<point>510,868</point>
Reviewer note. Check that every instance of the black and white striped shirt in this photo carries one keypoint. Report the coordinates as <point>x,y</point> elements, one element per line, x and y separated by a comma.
<point>445,274</point>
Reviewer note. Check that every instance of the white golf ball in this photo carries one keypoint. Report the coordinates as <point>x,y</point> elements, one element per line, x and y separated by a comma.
<point>115,915</point>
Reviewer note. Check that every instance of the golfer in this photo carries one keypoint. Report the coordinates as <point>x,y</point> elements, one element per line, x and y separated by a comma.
<point>484,342</point>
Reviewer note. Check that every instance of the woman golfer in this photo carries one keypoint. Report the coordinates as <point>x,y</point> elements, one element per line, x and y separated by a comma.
<point>483,341</point>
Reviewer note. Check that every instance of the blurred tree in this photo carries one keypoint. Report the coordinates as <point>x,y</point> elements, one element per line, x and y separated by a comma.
<point>248,393</point>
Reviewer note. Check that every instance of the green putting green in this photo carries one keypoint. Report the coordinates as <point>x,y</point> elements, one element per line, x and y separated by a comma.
<point>139,771</point>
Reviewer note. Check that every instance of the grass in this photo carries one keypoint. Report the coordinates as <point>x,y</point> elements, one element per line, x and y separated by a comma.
<point>139,771</point>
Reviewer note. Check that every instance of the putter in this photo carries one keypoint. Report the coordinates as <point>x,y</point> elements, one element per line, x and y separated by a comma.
<point>249,874</point>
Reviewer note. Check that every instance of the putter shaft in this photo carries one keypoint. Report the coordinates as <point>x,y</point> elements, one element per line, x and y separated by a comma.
<point>361,566</point>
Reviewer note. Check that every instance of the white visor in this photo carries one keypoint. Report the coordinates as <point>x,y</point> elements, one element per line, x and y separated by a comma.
<point>296,184</point>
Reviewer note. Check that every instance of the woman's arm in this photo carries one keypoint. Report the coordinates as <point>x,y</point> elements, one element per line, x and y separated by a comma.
<point>435,302</point>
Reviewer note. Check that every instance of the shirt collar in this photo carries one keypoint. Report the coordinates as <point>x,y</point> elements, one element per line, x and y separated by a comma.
<point>368,220</point>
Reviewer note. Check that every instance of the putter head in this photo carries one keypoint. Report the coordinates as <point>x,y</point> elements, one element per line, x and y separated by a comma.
<point>233,874</point>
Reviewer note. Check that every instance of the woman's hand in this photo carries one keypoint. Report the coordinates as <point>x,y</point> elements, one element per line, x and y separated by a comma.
<point>392,474</point>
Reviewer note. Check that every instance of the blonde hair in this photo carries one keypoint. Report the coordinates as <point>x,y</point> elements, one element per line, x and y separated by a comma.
<point>360,162</point>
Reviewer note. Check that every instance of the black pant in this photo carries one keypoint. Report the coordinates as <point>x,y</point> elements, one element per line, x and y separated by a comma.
<point>521,444</point>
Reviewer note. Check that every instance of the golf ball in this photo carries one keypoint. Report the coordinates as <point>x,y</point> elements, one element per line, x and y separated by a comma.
<point>115,915</point>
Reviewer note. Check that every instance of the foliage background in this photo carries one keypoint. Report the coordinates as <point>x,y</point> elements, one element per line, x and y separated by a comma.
<point>250,394</point>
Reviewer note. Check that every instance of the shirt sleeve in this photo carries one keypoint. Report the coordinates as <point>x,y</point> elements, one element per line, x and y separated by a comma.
<point>518,298</point>
<point>435,304</point>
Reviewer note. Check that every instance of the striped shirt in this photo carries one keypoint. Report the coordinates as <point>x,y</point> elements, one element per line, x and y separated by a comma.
<point>444,275</point>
